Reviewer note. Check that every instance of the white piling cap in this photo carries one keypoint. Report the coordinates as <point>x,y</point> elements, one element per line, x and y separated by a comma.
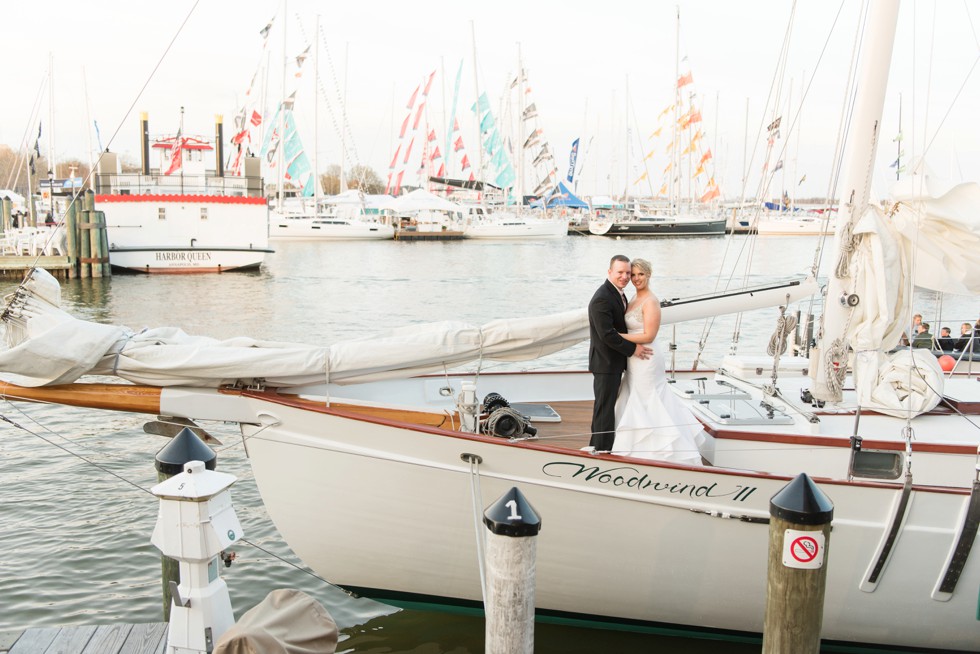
<point>194,484</point>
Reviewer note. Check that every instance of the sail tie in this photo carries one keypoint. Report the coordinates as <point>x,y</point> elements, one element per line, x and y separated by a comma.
<point>784,325</point>
<point>848,243</point>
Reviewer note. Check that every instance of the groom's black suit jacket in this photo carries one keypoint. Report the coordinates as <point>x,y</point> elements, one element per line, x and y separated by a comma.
<point>608,350</point>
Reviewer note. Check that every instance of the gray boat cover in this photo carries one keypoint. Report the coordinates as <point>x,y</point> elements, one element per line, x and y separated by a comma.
<point>287,621</point>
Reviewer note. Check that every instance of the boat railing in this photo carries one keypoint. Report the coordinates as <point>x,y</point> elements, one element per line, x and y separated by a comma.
<point>157,184</point>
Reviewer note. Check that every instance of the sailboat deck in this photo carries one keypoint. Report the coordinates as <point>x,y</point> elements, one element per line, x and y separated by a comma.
<point>574,430</point>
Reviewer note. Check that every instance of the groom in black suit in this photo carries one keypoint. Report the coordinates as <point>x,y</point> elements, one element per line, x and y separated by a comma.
<point>608,350</point>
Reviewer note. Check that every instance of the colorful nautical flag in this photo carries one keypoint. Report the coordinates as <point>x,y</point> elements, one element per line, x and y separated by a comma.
<point>684,80</point>
<point>656,132</point>
<point>256,118</point>
<point>667,109</point>
<point>699,171</point>
<point>432,135</point>
<point>640,178</point>
<point>774,125</point>
<point>705,157</point>
<point>176,157</point>
<point>411,100</point>
<point>265,30</point>
<point>779,165</point>
<point>394,160</point>
<point>710,194</point>
<point>663,190</point>
<point>408,151</point>
<point>572,157</point>
<point>428,84</point>
<point>418,115</point>
<point>530,112</point>
<point>458,144</point>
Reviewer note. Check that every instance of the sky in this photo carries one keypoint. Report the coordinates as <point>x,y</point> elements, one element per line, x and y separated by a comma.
<point>602,72</point>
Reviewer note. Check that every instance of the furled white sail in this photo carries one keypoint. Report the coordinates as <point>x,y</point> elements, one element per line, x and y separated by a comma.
<point>932,232</point>
<point>46,345</point>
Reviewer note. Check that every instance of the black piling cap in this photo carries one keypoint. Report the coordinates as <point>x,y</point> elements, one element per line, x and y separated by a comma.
<point>183,448</point>
<point>512,515</point>
<point>802,502</point>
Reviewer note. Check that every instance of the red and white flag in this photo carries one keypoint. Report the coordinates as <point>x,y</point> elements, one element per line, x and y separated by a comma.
<point>176,156</point>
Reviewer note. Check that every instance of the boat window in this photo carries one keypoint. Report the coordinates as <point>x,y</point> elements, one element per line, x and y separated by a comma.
<point>707,389</point>
<point>741,412</point>
<point>161,213</point>
<point>204,213</point>
<point>876,464</point>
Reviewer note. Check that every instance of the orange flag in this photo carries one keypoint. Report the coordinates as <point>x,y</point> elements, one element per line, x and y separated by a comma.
<point>684,80</point>
<point>711,194</point>
<point>663,189</point>
<point>705,157</point>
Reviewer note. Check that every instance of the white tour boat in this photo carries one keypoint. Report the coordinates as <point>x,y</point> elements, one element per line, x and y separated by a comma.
<point>179,217</point>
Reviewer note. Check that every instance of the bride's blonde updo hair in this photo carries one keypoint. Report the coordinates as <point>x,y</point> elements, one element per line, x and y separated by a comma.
<point>643,265</point>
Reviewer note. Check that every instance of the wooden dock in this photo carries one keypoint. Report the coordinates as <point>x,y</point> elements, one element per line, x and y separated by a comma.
<point>15,267</point>
<point>411,235</point>
<point>150,638</point>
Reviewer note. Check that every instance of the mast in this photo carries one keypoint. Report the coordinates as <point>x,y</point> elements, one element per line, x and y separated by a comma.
<point>282,118</point>
<point>898,142</point>
<point>520,129</point>
<point>876,52</point>
<point>675,186</point>
<point>479,111</point>
<point>343,130</point>
<point>317,191</point>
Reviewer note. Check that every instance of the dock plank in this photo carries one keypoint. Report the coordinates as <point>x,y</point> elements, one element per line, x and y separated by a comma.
<point>33,641</point>
<point>71,641</point>
<point>107,638</point>
<point>148,638</point>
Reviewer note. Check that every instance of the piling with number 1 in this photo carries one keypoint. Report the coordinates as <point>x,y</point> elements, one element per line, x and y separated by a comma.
<point>513,527</point>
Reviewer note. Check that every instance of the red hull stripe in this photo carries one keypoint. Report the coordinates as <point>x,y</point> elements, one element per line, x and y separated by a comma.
<point>203,199</point>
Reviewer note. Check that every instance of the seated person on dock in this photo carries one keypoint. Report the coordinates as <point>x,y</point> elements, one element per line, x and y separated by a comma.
<point>923,338</point>
<point>945,342</point>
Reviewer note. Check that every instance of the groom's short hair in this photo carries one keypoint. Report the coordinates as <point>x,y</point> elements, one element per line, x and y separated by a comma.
<point>618,257</point>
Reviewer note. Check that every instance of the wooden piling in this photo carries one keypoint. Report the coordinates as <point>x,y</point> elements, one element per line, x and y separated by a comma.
<point>71,234</point>
<point>183,448</point>
<point>7,210</point>
<point>799,534</point>
<point>510,567</point>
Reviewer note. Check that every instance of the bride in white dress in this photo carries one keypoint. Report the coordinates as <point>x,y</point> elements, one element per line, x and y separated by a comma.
<point>652,422</point>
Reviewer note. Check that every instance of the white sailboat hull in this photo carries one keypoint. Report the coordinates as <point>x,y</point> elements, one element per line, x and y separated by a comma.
<point>517,229</point>
<point>312,229</point>
<point>386,507</point>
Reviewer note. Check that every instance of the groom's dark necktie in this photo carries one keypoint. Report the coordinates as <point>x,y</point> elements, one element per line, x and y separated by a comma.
<point>625,301</point>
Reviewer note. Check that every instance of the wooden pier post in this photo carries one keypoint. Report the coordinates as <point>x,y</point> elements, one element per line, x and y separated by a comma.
<point>185,447</point>
<point>71,234</point>
<point>799,534</point>
<point>510,567</point>
<point>7,211</point>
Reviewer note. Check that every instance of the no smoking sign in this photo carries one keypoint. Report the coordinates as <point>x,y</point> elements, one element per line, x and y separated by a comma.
<point>803,549</point>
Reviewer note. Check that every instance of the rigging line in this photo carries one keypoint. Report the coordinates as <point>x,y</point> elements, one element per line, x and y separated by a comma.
<point>307,571</point>
<point>75,454</point>
<point>843,128</point>
<point>148,492</point>
<point>24,152</point>
<point>950,108</point>
<point>969,18</point>
<point>122,121</point>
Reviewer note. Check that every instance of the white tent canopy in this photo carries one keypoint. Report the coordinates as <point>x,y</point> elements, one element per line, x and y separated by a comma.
<point>422,200</point>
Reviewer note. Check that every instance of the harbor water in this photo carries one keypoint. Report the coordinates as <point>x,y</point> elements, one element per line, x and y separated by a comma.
<point>75,504</point>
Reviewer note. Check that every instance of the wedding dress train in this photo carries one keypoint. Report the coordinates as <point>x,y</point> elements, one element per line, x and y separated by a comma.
<point>652,422</point>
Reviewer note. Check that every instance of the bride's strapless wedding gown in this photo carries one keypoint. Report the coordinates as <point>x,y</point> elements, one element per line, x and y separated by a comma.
<point>652,422</point>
